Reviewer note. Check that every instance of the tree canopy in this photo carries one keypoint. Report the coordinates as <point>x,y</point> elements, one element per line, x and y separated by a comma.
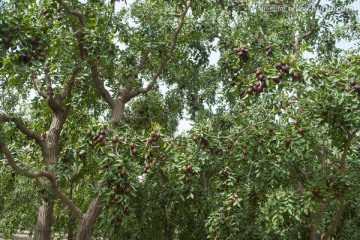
<point>89,144</point>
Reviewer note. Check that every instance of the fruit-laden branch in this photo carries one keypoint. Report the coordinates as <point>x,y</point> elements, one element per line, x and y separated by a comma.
<point>25,130</point>
<point>167,57</point>
<point>71,12</point>
<point>346,149</point>
<point>38,176</point>
<point>335,220</point>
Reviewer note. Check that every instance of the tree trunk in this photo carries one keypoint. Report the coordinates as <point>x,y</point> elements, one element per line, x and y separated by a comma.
<point>44,220</point>
<point>166,235</point>
<point>87,224</point>
<point>313,234</point>
<point>118,112</point>
<point>70,230</point>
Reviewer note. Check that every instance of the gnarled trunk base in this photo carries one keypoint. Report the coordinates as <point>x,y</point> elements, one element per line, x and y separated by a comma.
<point>44,220</point>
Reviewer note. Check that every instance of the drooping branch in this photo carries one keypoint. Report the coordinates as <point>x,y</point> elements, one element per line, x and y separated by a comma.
<point>25,130</point>
<point>166,58</point>
<point>38,175</point>
<point>67,201</point>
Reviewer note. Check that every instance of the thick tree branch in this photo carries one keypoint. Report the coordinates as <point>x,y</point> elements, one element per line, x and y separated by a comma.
<point>66,92</point>
<point>38,176</point>
<point>335,220</point>
<point>99,85</point>
<point>25,130</point>
<point>67,201</point>
<point>71,12</point>
<point>142,60</point>
<point>49,88</point>
<point>166,59</point>
<point>52,98</point>
<point>346,149</point>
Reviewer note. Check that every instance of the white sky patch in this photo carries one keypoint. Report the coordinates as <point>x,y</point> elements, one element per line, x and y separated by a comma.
<point>184,124</point>
<point>121,46</point>
<point>214,55</point>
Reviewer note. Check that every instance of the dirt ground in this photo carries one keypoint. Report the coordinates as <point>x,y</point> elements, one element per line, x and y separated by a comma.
<point>17,237</point>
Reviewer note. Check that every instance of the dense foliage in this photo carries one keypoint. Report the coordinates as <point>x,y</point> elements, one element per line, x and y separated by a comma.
<point>89,142</point>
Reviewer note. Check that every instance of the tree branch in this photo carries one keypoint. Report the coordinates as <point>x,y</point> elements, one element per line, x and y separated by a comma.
<point>53,99</point>
<point>66,91</point>
<point>335,220</point>
<point>125,90</point>
<point>346,149</point>
<point>37,87</point>
<point>25,130</point>
<point>142,62</point>
<point>99,85</point>
<point>71,12</point>
<point>67,201</point>
<point>38,176</point>
<point>94,70</point>
<point>166,59</point>
<point>312,30</point>
<point>49,88</point>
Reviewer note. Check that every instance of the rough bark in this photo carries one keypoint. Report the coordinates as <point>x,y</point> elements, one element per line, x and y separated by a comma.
<point>44,220</point>
<point>44,223</point>
<point>118,112</point>
<point>87,223</point>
